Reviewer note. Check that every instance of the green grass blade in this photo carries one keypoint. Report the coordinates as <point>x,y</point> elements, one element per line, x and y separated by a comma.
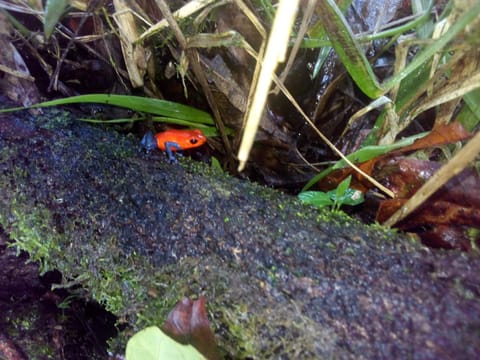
<point>54,10</point>
<point>469,116</point>
<point>348,49</point>
<point>352,57</point>
<point>465,19</point>
<point>318,32</point>
<point>134,103</point>
<point>370,152</point>
<point>111,121</point>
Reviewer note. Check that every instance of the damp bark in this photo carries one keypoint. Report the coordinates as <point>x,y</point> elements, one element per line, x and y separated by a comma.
<point>282,280</point>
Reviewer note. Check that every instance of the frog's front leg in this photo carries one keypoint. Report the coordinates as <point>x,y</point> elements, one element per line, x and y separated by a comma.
<point>170,147</point>
<point>148,142</point>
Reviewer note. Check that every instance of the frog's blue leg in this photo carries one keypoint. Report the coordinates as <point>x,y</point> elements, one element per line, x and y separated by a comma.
<point>169,145</point>
<point>148,142</point>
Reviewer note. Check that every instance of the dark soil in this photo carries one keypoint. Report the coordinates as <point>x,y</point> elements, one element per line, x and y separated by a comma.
<point>38,323</point>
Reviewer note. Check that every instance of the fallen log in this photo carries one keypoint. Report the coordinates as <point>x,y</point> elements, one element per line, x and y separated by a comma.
<point>282,280</point>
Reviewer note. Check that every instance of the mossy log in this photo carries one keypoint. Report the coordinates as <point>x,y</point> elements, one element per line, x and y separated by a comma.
<point>282,280</point>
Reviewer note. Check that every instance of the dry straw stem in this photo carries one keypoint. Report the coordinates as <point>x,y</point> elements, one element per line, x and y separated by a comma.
<point>135,55</point>
<point>274,53</point>
<point>466,155</point>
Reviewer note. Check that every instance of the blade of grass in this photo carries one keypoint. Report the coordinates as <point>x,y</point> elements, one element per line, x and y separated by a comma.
<point>318,39</point>
<point>352,57</point>
<point>415,75</point>
<point>466,18</point>
<point>207,130</point>
<point>54,10</point>
<point>470,114</point>
<point>348,49</point>
<point>134,103</point>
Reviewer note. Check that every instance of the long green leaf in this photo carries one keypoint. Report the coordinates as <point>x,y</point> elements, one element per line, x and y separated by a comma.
<point>348,49</point>
<point>469,116</point>
<point>136,103</point>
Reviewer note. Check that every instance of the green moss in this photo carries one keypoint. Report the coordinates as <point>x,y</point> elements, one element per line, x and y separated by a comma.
<point>31,233</point>
<point>113,250</point>
<point>245,330</point>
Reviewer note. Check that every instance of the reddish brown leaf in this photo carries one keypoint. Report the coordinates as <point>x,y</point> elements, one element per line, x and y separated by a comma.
<point>443,220</point>
<point>188,323</point>
<point>177,325</point>
<point>404,176</point>
<point>333,179</point>
<point>387,208</point>
<point>456,205</point>
<point>201,334</point>
<point>358,181</point>
<point>448,237</point>
<point>447,213</point>
<point>443,134</point>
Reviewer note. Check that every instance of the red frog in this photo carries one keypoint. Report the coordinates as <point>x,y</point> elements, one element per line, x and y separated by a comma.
<point>173,140</point>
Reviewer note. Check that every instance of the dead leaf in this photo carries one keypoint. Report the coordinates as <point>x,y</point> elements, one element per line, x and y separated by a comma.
<point>442,221</point>
<point>188,323</point>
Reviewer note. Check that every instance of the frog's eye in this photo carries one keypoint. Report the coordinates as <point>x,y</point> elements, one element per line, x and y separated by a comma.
<point>193,141</point>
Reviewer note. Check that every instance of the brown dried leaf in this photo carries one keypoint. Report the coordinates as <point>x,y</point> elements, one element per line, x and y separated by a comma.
<point>441,135</point>
<point>445,218</point>
<point>188,323</point>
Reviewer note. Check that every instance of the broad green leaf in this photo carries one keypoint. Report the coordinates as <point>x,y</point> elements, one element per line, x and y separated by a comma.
<point>153,344</point>
<point>342,187</point>
<point>350,197</point>
<point>216,164</point>
<point>321,199</point>
<point>54,10</point>
<point>316,198</point>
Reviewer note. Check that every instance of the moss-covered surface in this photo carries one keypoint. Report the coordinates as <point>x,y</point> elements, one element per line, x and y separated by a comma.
<point>40,324</point>
<point>281,279</point>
